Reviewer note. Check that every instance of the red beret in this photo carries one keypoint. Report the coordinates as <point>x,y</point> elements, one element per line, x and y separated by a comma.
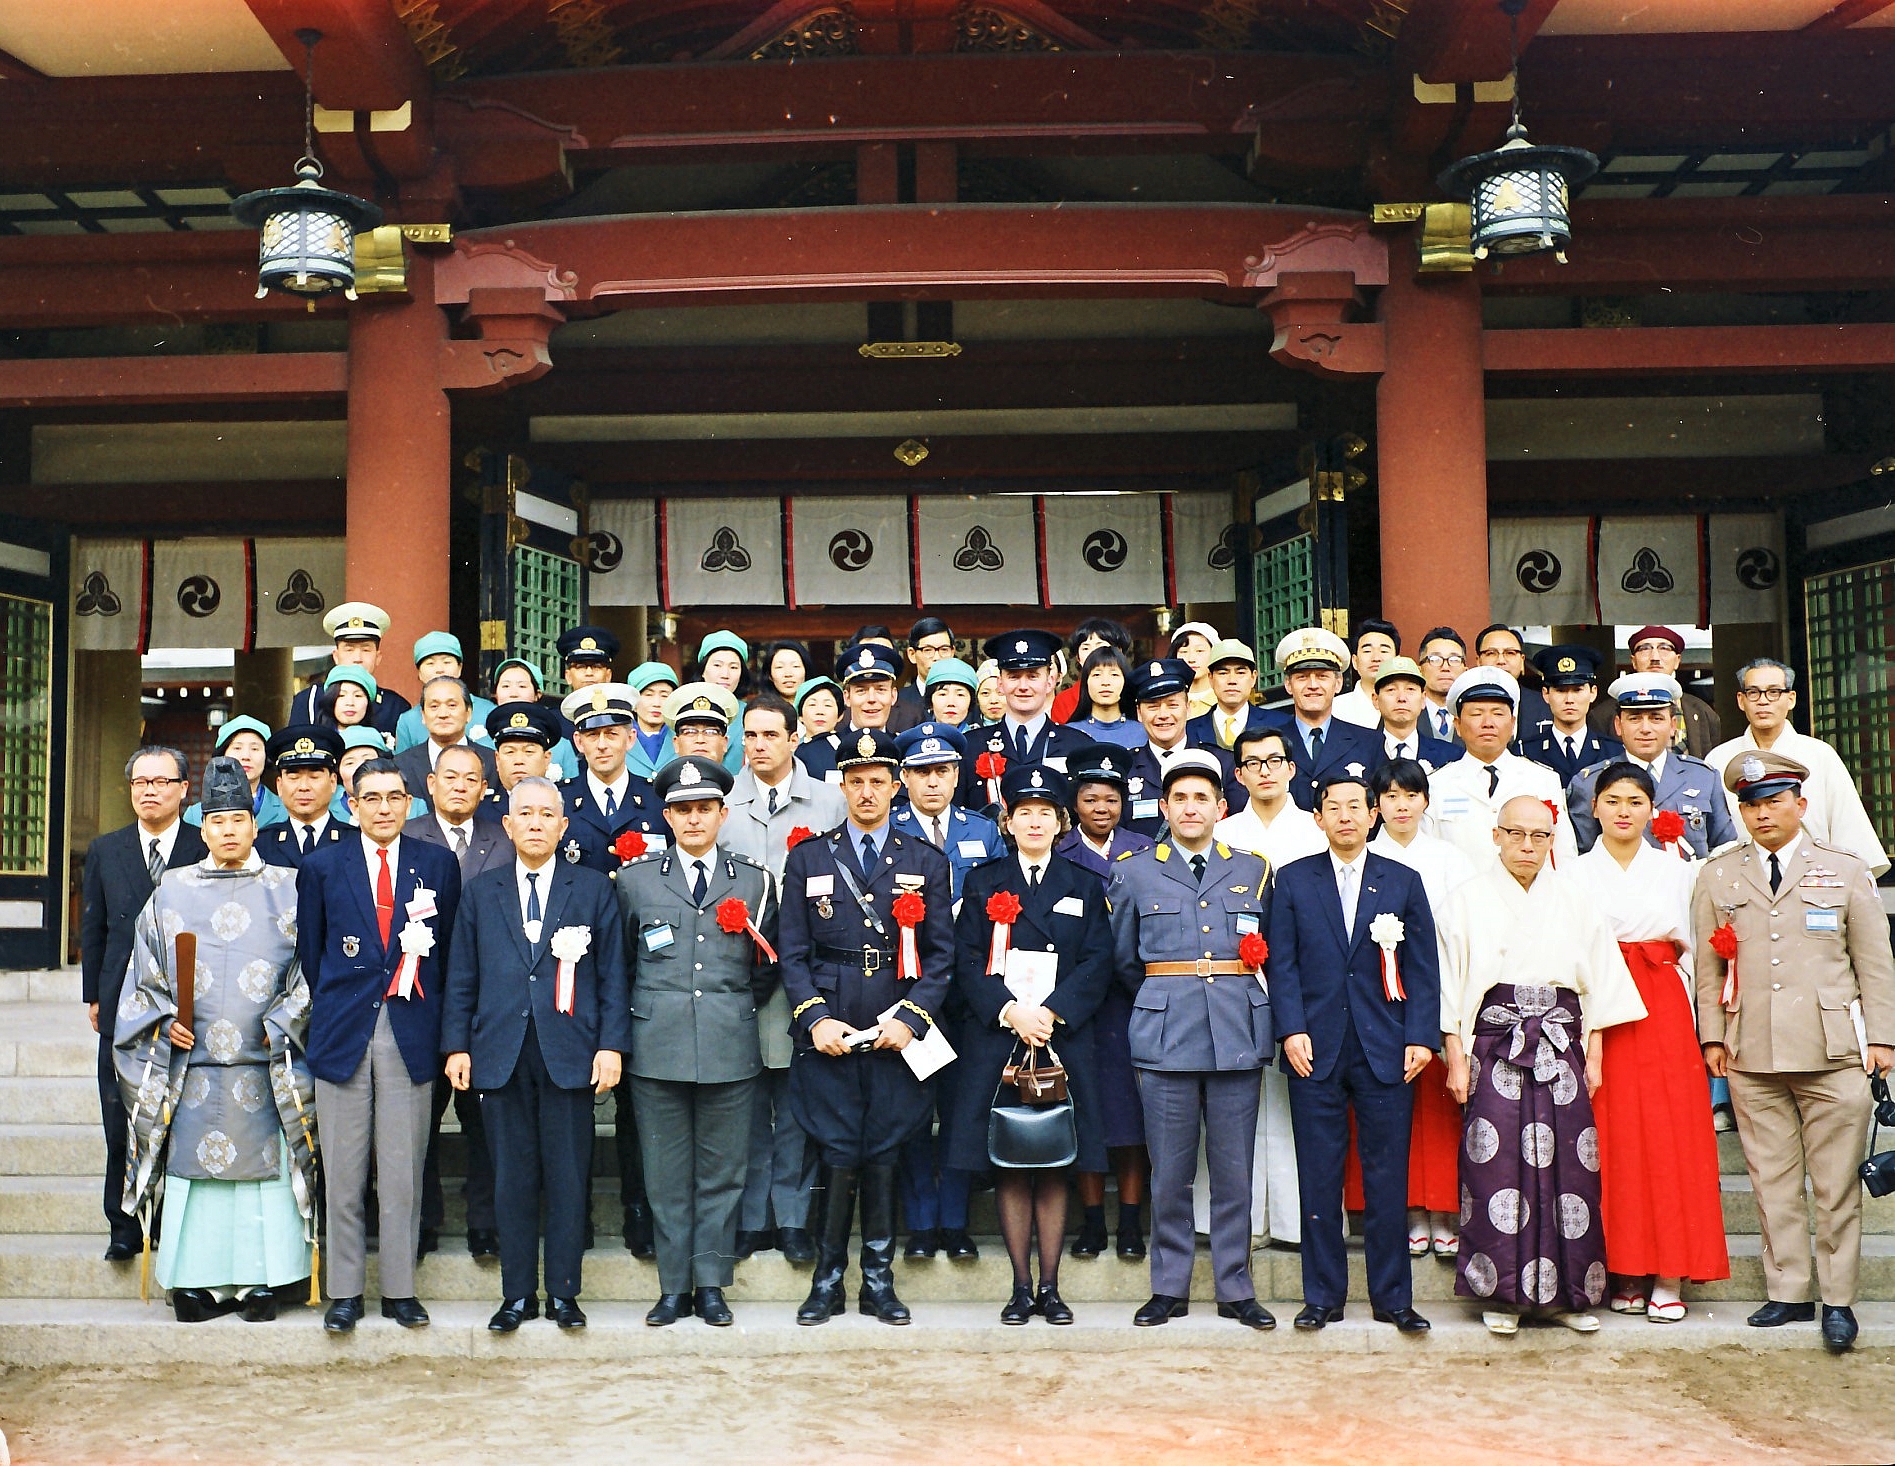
<point>1656,633</point>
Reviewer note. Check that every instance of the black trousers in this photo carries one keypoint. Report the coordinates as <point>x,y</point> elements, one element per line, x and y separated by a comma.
<point>858,1109</point>
<point>542,1146</point>
<point>478,1189</point>
<point>113,1117</point>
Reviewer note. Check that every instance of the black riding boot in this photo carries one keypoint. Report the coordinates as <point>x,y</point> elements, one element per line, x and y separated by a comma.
<point>878,1246</point>
<point>833,1202</point>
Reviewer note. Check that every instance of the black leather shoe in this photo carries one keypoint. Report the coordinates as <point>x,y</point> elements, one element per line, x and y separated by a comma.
<point>638,1240</point>
<point>407,1312</point>
<point>1248,1312</point>
<point>258,1306</point>
<point>749,1244</point>
<point>1051,1306</point>
<point>196,1305</point>
<point>1161,1308</point>
<point>1839,1329</point>
<point>1312,1318</point>
<point>123,1249</point>
<point>565,1312</point>
<point>958,1245</point>
<point>709,1305</point>
<point>343,1315</point>
<point>1019,1308</point>
<point>923,1243</point>
<point>1131,1246</point>
<point>511,1314</point>
<point>796,1244</point>
<point>429,1241</point>
<point>669,1308</point>
<point>1406,1320</point>
<point>1091,1240</point>
<point>483,1243</point>
<point>1774,1315</point>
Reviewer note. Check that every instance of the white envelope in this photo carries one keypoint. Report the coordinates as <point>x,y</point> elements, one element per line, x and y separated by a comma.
<point>1030,975</point>
<point>972,849</point>
<point>926,1057</point>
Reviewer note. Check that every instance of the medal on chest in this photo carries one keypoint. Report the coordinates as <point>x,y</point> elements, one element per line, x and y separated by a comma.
<point>573,852</point>
<point>351,946</point>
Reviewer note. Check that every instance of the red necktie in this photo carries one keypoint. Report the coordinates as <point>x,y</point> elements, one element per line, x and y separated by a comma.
<point>384,897</point>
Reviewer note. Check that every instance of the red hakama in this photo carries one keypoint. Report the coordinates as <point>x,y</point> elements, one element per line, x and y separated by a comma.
<point>1434,1145</point>
<point>1658,1151</point>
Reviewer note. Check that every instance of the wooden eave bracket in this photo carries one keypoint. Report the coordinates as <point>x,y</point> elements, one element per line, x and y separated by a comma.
<point>516,324</point>
<point>1313,334</point>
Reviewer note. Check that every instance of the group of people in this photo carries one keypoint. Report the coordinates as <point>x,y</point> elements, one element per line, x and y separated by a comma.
<point>1435,949</point>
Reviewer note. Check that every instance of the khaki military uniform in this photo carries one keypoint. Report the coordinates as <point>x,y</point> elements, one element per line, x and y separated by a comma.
<point>1805,955</point>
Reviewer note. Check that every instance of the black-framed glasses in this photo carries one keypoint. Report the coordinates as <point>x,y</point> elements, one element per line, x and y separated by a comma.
<point>1538,839</point>
<point>1763,694</point>
<point>139,786</point>
<point>1271,761</point>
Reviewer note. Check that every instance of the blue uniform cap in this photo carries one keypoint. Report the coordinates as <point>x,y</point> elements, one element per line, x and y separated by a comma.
<point>1017,651</point>
<point>1567,666</point>
<point>588,644</point>
<point>305,746</point>
<point>931,743</point>
<point>869,659</point>
<point>1099,763</point>
<point>1160,677</point>
<point>1022,782</point>
<point>529,722</point>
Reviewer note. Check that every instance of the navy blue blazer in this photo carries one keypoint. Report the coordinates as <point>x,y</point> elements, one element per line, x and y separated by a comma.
<point>496,981</point>
<point>1055,743</point>
<point>281,843</point>
<point>1201,731</point>
<point>1547,749</point>
<point>340,944</point>
<point>1431,753</point>
<point>1347,748</point>
<point>1321,981</point>
<point>589,835</point>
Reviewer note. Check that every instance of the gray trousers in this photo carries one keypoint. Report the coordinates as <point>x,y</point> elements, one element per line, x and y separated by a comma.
<point>696,1142</point>
<point>1223,1107</point>
<point>782,1165</point>
<point>378,1110</point>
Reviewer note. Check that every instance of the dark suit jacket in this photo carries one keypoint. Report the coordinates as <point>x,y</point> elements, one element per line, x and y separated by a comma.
<point>1201,731</point>
<point>487,846</point>
<point>1547,749</point>
<point>415,767</point>
<point>335,910</point>
<point>1432,753</point>
<point>495,981</point>
<point>281,843</point>
<point>1343,744</point>
<point>1321,981</point>
<point>117,886</point>
<point>1056,742</point>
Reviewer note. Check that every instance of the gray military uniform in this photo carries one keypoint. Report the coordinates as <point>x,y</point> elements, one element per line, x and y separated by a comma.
<point>1199,1041</point>
<point>695,1052</point>
<point>1686,785</point>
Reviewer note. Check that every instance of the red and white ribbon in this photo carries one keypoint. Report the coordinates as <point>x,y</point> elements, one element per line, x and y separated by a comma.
<point>1392,988</point>
<point>416,942</point>
<point>1387,931</point>
<point>1002,909</point>
<point>990,766</point>
<point>733,916</point>
<point>569,944</point>
<point>562,986</point>
<point>908,909</point>
<point>1724,943</point>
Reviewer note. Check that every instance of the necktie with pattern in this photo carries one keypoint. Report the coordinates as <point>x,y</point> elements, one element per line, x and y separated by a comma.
<point>460,846</point>
<point>384,896</point>
<point>1441,724</point>
<point>154,863</point>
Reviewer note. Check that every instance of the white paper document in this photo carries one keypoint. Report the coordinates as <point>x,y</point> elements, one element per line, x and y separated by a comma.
<point>926,1057</point>
<point>1030,975</point>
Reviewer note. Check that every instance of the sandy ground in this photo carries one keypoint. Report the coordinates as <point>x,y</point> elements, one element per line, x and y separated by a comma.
<point>974,1410</point>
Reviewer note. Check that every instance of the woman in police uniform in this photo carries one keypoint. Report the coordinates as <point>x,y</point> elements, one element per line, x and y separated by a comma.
<point>1058,961</point>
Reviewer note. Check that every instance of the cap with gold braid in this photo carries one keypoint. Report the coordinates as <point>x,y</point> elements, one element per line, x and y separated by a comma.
<point>868,746</point>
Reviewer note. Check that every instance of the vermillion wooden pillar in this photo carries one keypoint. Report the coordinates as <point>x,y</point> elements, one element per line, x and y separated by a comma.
<point>400,467</point>
<point>1431,456</point>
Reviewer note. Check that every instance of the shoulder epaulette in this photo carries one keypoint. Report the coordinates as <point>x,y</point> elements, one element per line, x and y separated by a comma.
<point>1161,852</point>
<point>1125,855</point>
<point>742,859</point>
<point>1223,850</point>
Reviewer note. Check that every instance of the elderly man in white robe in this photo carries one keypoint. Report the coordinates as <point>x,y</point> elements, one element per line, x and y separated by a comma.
<point>1534,973</point>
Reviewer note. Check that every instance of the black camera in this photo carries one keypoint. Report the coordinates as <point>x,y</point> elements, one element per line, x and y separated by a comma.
<point>1878,1171</point>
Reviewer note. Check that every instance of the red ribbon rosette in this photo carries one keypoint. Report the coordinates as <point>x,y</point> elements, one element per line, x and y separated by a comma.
<point>1724,943</point>
<point>798,835</point>
<point>629,845</point>
<point>908,909</point>
<point>1668,830</point>
<point>734,917</point>
<point>1253,951</point>
<point>1003,909</point>
<point>990,766</point>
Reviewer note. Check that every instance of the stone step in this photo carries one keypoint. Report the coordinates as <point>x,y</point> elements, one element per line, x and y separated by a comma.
<point>66,1099</point>
<point>94,1333</point>
<point>35,1265</point>
<point>52,1150</point>
<point>46,1039</point>
<point>57,985</point>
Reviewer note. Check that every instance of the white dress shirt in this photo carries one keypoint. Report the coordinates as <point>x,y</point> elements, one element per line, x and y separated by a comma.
<point>620,789</point>
<point>448,827</point>
<point>545,887</point>
<point>1357,707</point>
<point>435,750</point>
<point>1035,870</point>
<point>315,829</point>
<point>1409,747</point>
<point>1016,730</point>
<point>1290,836</point>
<point>167,842</point>
<point>372,853</point>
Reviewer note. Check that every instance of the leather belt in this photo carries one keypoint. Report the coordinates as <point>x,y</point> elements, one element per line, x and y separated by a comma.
<point>869,959</point>
<point>1203,967</point>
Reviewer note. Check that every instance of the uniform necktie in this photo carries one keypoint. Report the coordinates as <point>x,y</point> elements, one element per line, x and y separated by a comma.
<point>384,896</point>
<point>309,839</point>
<point>1776,873</point>
<point>699,881</point>
<point>1198,863</point>
<point>154,863</point>
<point>460,845</point>
<point>611,806</point>
<point>1571,752</point>
<point>1441,723</point>
<point>1020,744</point>
<point>1493,780</point>
<point>868,855</point>
<point>940,835</point>
<point>772,799</point>
<point>1315,747</point>
<point>532,896</point>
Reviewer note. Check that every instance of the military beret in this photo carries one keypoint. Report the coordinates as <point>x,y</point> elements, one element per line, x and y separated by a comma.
<point>1656,633</point>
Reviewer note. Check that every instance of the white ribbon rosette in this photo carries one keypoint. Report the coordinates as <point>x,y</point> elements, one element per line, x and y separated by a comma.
<point>569,944</point>
<point>1387,931</point>
<point>417,940</point>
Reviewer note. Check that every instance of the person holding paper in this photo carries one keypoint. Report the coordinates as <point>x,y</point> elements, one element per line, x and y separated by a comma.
<point>1796,1006</point>
<point>868,949</point>
<point>1032,962</point>
<point>373,916</point>
<point>535,1026</point>
<point>700,930</point>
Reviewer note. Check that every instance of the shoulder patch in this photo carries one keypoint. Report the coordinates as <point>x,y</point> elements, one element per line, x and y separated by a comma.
<point>1223,850</point>
<point>1162,852</point>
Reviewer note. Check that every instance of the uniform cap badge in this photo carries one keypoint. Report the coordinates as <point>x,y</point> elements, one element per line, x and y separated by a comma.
<point>689,774</point>
<point>702,705</point>
<point>1038,783</point>
<point>867,659</point>
<point>1156,670</point>
<point>305,745</point>
<point>865,745</point>
<point>600,697</point>
<point>355,623</point>
<point>1752,769</point>
<point>931,745</point>
<point>1019,646</point>
<point>1567,664</point>
<point>588,644</point>
<point>519,720</point>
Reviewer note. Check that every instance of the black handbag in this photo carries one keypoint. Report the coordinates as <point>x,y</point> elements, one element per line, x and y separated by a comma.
<point>1878,1171</point>
<point>1029,1137</point>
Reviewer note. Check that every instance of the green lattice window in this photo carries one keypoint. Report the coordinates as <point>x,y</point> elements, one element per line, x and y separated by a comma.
<point>545,603</point>
<point>1851,617</point>
<point>1285,582</point>
<point>26,723</point>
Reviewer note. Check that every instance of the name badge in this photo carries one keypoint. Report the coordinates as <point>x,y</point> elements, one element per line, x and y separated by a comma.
<point>1144,809</point>
<point>1058,765</point>
<point>1455,806</point>
<point>833,776</point>
<point>910,883</point>
<point>971,849</point>
<point>658,936</point>
<point>1248,923</point>
<point>1069,906</point>
<point>819,886</point>
<point>1820,919</point>
<point>421,906</point>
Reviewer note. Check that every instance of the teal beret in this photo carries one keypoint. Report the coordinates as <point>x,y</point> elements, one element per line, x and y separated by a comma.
<point>816,684</point>
<point>539,684</point>
<point>723,641</point>
<point>646,673</point>
<point>357,675</point>
<point>952,670</point>
<point>437,644</point>
<point>242,723</point>
<point>362,736</point>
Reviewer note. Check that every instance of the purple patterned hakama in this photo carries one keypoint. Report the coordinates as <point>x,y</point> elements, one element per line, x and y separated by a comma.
<point>1531,1236</point>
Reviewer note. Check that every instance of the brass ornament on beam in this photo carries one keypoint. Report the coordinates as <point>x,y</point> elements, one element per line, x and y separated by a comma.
<point>908,350</point>
<point>910,452</point>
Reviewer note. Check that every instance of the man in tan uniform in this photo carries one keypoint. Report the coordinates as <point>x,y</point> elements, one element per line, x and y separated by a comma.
<point>1796,1005</point>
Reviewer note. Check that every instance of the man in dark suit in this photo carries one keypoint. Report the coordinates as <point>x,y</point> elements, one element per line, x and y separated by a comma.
<point>372,919</point>
<point>1026,732</point>
<point>1233,674</point>
<point>1502,646</point>
<point>1321,744</point>
<point>455,790</point>
<point>1570,677</point>
<point>1161,691</point>
<point>1398,693</point>
<point>445,710</point>
<point>537,1039</point>
<point>1356,985</point>
<point>304,757</point>
<point>122,868</point>
<point>1696,729</point>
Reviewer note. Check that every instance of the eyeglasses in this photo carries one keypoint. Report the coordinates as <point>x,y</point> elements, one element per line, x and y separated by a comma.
<point>1272,762</point>
<point>1444,659</point>
<point>383,801</point>
<point>139,786</point>
<point>1538,839</point>
<point>1749,694</point>
<point>1654,646</point>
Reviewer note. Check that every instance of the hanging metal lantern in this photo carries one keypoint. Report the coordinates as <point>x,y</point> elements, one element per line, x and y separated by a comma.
<point>307,244</point>
<point>1520,195</point>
